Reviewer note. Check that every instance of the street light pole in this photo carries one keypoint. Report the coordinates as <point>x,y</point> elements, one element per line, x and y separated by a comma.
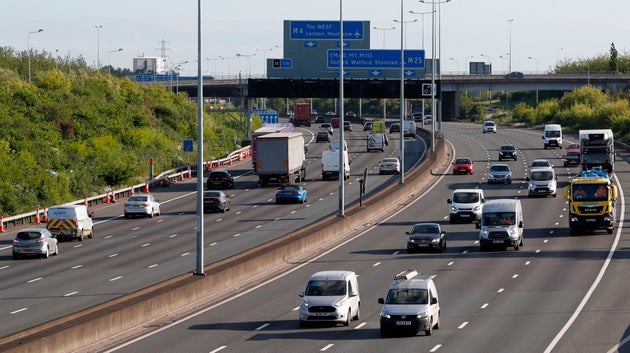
<point>28,43</point>
<point>510,44</point>
<point>98,46</point>
<point>109,66</point>
<point>533,58</point>
<point>249,63</point>
<point>457,61</point>
<point>405,27</point>
<point>265,59</point>
<point>384,29</point>
<point>422,20</point>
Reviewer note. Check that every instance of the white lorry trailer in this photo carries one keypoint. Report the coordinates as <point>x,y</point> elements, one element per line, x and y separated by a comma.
<point>281,158</point>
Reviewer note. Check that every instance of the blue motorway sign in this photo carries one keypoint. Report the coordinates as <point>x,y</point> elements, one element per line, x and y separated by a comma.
<point>371,59</point>
<point>269,118</point>
<point>188,146</point>
<point>326,30</point>
<point>286,63</point>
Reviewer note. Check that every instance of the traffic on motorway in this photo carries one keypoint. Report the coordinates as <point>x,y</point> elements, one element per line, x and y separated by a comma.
<point>541,296</point>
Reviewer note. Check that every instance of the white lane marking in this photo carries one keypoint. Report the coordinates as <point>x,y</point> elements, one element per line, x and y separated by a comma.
<point>109,236</point>
<point>218,349</point>
<point>258,226</point>
<point>34,280</point>
<point>396,252</point>
<point>292,212</point>
<point>597,280</point>
<point>172,235</point>
<point>308,205</point>
<point>17,311</point>
<point>184,254</point>
<point>113,255</point>
<point>450,263</point>
<point>435,348</point>
<point>71,293</point>
<point>4,267</point>
<point>465,252</point>
<point>257,205</point>
<point>360,325</point>
<point>219,220</point>
<point>145,244</point>
<point>527,263</point>
<point>484,306</point>
<point>261,327</point>
<point>546,240</point>
<point>152,266</point>
<point>327,347</point>
<point>78,246</point>
<point>462,325</point>
<point>115,279</point>
<point>277,219</point>
<point>135,228</point>
<point>515,275</point>
<point>296,308</point>
<point>213,244</point>
<point>537,251</point>
<point>500,290</point>
<point>236,235</point>
<point>160,220</point>
<point>75,267</point>
<point>376,264</point>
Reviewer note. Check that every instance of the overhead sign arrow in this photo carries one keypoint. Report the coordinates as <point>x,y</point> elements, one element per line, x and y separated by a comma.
<point>376,73</point>
<point>410,73</point>
<point>310,44</point>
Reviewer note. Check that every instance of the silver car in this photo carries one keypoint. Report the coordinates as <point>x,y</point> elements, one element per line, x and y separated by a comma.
<point>142,205</point>
<point>34,242</point>
<point>500,173</point>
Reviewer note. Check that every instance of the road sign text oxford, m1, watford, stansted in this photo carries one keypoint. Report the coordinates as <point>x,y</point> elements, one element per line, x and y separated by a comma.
<point>368,59</point>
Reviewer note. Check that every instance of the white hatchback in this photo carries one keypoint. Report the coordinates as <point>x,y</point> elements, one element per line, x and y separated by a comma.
<point>143,205</point>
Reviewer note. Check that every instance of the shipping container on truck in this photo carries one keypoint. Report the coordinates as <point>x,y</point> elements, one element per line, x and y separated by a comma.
<point>281,158</point>
<point>264,130</point>
<point>302,114</point>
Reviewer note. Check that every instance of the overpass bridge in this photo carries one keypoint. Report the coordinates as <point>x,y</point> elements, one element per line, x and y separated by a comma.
<point>449,87</point>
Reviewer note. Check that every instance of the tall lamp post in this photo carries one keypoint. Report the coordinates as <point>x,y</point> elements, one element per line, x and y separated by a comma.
<point>405,27</point>
<point>422,22</point>
<point>489,60</point>
<point>456,60</point>
<point>533,58</point>
<point>249,62</point>
<point>384,29</point>
<point>28,42</point>
<point>215,63</point>
<point>510,44</point>
<point>265,59</point>
<point>109,66</point>
<point>98,46</point>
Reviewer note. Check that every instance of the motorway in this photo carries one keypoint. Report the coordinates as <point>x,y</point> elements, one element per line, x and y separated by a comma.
<point>559,293</point>
<point>129,254</point>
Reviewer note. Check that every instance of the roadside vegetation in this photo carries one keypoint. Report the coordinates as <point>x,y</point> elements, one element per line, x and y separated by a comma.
<point>75,131</point>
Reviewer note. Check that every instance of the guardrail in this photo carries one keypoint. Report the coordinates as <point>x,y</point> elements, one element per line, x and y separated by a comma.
<point>112,195</point>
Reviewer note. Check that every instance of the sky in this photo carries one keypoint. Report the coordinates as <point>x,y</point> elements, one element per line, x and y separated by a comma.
<point>537,33</point>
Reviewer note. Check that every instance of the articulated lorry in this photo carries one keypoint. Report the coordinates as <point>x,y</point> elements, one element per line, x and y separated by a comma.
<point>265,130</point>
<point>597,149</point>
<point>591,197</point>
<point>281,158</point>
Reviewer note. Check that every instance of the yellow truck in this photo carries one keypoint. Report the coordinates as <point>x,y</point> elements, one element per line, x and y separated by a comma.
<point>591,203</point>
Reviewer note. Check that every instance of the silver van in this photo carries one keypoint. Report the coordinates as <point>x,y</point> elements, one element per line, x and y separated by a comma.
<point>330,296</point>
<point>501,224</point>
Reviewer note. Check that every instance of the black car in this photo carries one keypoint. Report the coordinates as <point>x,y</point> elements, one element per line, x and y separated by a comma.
<point>322,136</point>
<point>426,236</point>
<point>215,200</point>
<point>514,74</point>
<point>347,126</point>
<point>221,179</point>
<point>395,127</point>
<point>507,152</point>
<point>319,119</point>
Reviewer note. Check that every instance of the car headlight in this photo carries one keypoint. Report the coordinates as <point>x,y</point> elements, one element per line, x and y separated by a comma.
<point>483,234</point>
<point>423,315</point>
<point>435,240</point>
<point>385,315</point>
<point>305,304</point>
<point>532,186</point>
<point>340,303</point>
<point>453,208</point>
<point>476,208</point>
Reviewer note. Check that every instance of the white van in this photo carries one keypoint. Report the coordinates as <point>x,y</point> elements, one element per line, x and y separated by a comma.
<point>334,145</point>
<point>330,165</point>
<point>411,305</point>
<point>409,128</point>
<point>465,204</point>
<point>552,135</point>
<point>376,142</point>
<point>68,222</point>
<point>542,182</point>
<point>501,224</point>
<point>331,296</point>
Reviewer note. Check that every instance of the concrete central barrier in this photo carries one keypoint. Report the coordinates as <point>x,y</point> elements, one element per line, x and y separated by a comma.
<point>175,297</point>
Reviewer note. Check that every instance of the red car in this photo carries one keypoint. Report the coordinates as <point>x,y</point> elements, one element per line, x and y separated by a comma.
<point>463,165</point>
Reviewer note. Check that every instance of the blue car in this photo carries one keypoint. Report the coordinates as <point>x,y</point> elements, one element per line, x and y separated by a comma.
<point>291,192</point>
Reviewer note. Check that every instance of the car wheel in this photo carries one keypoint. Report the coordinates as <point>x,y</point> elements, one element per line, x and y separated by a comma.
<point>222,210</point>
<point>81,236</point>
<point>444,245</point>
<point>429,331</point>
<point>46,254</point>
<point>151,214</point>
<point>517,247</point>
<point>437,323</point>
<point>16,256</point>
<point>358,314</point>
<point>384,332</point>
<point>347,322</point>
<point>56,250</point>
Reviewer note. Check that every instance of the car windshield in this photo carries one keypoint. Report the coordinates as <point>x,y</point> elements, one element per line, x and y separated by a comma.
<point>289,188</point>
<point>466,197</point>
<point>498,218</point>
<point>325,288</point>
<point>507,148</point>
<point>489,123</point>
<point>29,235</point>
<point>552,133</point>
<point>573,153</point>
<point>218,175</point>
<point>138,198</point>
<point>407,296</point>
<point>541,164</point>
<point>212,194</point>
<point>462,161</point>
<point>389,160</point>
<point>499,168</point>
<point>425,229</point>
<point>543,175</point>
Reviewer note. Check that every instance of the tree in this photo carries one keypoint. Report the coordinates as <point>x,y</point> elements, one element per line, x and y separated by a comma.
<point>613,58</point>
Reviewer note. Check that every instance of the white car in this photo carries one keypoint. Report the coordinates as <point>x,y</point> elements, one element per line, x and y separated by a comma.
<point>390,165</point>
<point>142,205</point>
<point>330,296</point>
<point>489,126</point>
